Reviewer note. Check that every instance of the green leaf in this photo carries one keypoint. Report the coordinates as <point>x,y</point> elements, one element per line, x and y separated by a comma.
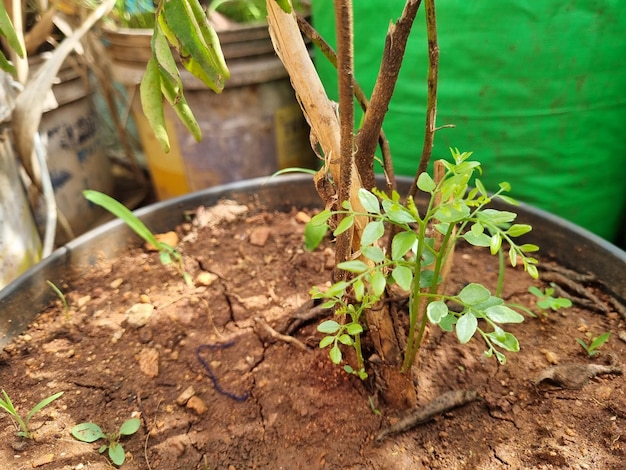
<point>403,277</point>
<point>372,232</point>
<point>335,354</point>
<point>529,248</point>
<point>313,235</point>
<point>466,326</point>
<point>436,311</point>
<point>346,339</point>
<point>474,294</point>
<point>513,256</point>
<point>329,327</point>
<point>496,217</point>
<point>369,201</point>
<point>119,210</point>
<point>496,243</point>
<point>344,225</point>
<point>531,269</point>
<point>426,183</point>
<point>474,239</point>
<point>326,341</point>
<point>401,244</point>
<point>378,282</point>
<point>8,31</point>
<point>130,426</point>
<point>359,289</point>
<point>354,329</point>
<point>152,103</point>
<point>481,187</point>
<point>517,230</point>
<point>41,404</point>
<point>321,218</point>
<point>338,288</point>
<point>116,453</point>
<point>354,266</point>
<point>447,323</point>
<point>507,341</point>
<point>452,212</point>
<point>599,340</point>
<point>503,314</point>
<point>398,214</point>
<point>88,432</point>
<point>508,200</point>
<point>374,253</point>
<point>199,45</point>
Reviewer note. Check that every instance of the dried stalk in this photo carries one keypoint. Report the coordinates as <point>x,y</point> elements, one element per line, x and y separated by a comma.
<point>431,99</point>
<point>345,77</point>
<point>359,94</point>
<point>393,53</point>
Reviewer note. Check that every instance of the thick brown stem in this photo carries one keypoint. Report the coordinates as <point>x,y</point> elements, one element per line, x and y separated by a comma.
<point>431,99</point>
<point>345,77</point>
<point>393,53</point>
<point>359,94</point>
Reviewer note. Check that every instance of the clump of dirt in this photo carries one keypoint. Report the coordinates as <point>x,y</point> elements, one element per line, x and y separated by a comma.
<point>215,388</point>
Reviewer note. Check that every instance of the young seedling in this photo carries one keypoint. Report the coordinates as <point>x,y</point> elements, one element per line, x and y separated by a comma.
<point>167,253</point>
<point>57,291</point>
<point>547,301</point>
<point>21,424</point>
<point>592,348</point>
<point>91,432</point>
<point>416,263</point>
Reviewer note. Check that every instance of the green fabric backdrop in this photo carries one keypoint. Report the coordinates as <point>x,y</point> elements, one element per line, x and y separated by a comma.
<point>537,90</point>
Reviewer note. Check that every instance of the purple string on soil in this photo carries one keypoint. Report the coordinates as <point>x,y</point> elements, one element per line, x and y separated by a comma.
<point>210,373</point>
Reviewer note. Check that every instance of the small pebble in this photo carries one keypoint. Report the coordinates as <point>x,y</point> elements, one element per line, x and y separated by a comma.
<point>205,279</point>
<point>259,236</point>
<point>43,460</point>
<point>148,359</point>
<point>196,405</point>
<point>116,283</point>
<point>139,315</point>
<point>169,238</point>
<point>303,217</point>
<point>184,397</point>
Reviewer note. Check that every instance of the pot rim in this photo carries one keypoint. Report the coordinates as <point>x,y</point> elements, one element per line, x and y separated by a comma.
<point>23,299</point>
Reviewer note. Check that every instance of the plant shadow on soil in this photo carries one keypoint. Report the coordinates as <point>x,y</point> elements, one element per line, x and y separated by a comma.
<point>299,409</point>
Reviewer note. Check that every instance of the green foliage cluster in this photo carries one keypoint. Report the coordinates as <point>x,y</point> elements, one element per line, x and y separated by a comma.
<point>592,348</point>
<point>91,432</point>
<point>415,264</point>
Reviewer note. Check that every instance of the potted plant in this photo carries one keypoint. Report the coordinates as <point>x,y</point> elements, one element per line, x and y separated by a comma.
<point>221,402</point>
<point>256,119</point>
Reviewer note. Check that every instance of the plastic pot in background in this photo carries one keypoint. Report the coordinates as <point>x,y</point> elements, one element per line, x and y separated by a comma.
<point>20,302</point>
<point>69,131</point>
<point>535,89</point>
<point>20,244</point>
<point>253,128</point>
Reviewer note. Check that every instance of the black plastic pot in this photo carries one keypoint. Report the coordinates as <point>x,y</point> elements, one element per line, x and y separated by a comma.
<point>24,298</point>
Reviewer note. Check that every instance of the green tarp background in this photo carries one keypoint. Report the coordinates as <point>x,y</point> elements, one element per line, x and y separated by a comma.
<point>537,90</point>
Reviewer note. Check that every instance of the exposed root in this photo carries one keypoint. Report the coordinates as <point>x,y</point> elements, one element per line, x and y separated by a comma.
<point>306,313</point>
<point>441,404</point>
<point>571,284</point>
<point>276,335</point>
<point>574,376</point>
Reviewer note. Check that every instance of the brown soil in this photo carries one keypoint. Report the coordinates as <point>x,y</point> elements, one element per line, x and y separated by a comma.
<point>284,407</point>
